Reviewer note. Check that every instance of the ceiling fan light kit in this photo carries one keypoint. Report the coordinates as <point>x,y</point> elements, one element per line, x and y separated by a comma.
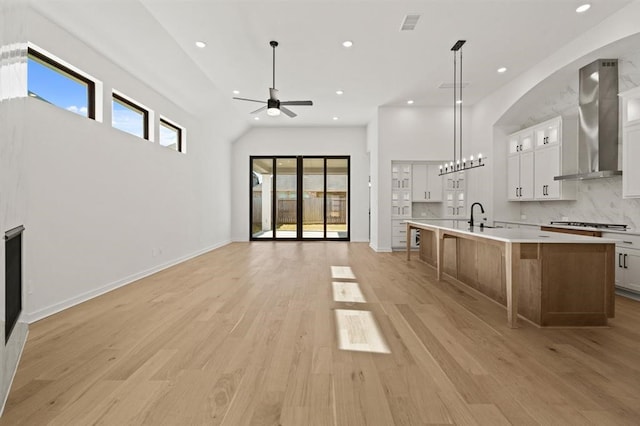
<point>273,105</point>
<point>459,163</point>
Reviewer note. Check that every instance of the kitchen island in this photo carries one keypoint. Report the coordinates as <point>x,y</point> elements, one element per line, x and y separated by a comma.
<point>549,278</point>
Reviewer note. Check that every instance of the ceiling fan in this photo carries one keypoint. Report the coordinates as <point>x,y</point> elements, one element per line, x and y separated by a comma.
<point>273,104</point>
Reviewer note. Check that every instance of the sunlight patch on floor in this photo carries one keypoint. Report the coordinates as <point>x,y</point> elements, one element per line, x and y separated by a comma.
<point>347,292</point>
<point>342,273</point>
<point>358,331</point>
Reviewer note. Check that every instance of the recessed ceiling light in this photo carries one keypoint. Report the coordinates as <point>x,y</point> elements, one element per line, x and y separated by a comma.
<point>410,102</point>
<point>459,101</point>
<point>583,8</point>
<point>335,118</point>
<point>502,69</point>
<point>201,44</point>
<point>347,43</point>
<point>339,92</point>
<point>236,92</point>
<point>256,118</point>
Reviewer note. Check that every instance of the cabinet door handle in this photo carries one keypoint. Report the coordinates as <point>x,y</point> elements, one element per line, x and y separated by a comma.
<point>516,192</point>
<point>425,195</point>
<point>619,260</point>
<point>624,262</point>
<point>429,195</point>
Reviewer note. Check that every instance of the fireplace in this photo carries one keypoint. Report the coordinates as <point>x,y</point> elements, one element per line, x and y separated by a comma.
<point>13,279</point>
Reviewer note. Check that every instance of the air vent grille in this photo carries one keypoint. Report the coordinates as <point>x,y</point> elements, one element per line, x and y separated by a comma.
<point>452,85</point>
<point>409,23</point>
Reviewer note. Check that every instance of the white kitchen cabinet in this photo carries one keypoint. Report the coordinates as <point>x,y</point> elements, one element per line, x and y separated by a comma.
<point>521,141</point>
<point>548,133</point>
<point>399,235</point>
<point>426,184</point>
<point>455,195</point>
<point>401,189</point>
<point>627,260</point>
<point>631,143</point>
<point>630,161</point>
<point>536,155</point>
<point>547,165</point>
<point>520,172</point>
<point>628,269</point>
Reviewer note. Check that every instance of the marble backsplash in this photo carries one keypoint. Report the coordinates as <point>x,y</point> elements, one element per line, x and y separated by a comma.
<point>597,200</point>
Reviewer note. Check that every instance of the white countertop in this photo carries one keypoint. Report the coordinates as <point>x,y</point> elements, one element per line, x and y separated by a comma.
<point>583,228</point>
<point>510,235</point>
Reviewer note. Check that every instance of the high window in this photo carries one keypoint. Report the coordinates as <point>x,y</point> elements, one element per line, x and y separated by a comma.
<point>59,85</point>
<point>171,135</point>
<point>129,117</point>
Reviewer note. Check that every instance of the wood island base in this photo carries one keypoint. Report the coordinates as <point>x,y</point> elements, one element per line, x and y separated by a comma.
<point>567,285</point>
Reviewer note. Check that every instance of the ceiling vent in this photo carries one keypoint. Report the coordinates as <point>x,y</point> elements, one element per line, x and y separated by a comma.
<point>452,85</point>
<point>409,22</point>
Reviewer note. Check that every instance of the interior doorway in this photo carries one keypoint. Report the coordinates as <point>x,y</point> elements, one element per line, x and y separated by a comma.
<point>299,198</point>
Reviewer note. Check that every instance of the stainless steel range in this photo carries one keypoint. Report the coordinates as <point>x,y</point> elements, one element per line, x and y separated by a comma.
<point>616,226</point>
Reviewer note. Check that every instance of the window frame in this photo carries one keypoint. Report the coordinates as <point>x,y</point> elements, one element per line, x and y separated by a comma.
<point>63,69</point>
<point>167,123</point>
<point>116,96</point>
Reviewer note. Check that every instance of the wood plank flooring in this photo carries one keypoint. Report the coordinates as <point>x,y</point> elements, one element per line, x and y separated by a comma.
<point>246,335</point>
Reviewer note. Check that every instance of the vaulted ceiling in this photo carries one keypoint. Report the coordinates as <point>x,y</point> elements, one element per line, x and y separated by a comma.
<point>155,40</point>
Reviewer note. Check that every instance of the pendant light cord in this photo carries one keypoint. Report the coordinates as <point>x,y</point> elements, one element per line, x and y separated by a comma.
<point>455,94</point>
<point>461,103</point>
<point>274,67</point>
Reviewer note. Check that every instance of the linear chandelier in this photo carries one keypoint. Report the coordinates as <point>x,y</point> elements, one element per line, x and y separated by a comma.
<point>459,163</point>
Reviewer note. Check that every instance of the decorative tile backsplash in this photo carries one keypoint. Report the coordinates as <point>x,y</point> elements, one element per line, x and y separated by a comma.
<point>598,200</point>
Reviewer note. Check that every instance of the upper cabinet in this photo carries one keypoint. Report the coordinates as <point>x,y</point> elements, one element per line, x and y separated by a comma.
<point>455,195</point>
<point>401,189</point>
<point>548,133</point>
<point>426,184</point>
<point>536,155</point>
<point>521,142</point>
<point>520,166</point>
<point>631,143</point>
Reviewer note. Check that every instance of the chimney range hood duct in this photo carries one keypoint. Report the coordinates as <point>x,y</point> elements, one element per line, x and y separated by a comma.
<point>598,122</point>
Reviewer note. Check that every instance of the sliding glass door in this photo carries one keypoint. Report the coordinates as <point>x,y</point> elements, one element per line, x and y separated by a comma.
<point>337,190</point>
<point>305,197</point>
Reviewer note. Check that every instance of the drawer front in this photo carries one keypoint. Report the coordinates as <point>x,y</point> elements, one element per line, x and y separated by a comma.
<point>399,231</point>
<point>398,241</point>
<point>624,241</point>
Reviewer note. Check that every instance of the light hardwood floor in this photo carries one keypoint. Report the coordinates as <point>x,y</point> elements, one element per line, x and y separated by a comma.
<point>246,334</point>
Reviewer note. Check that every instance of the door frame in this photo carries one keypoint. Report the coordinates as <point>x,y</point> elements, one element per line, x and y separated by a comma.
<point>299,197</point>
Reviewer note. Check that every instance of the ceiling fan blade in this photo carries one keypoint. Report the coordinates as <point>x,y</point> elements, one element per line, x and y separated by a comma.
<point>288,111</point>
<point>307,103</point>
<point>273,93</point>
<point>250,100</point>
<point>258,110</point>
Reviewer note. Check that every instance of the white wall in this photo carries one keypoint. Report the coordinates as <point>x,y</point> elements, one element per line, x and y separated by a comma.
<point>301,141</point>
<point>407,133</point>
<point>374,183</point>
<point>12,173</point>
<point>104,207</point>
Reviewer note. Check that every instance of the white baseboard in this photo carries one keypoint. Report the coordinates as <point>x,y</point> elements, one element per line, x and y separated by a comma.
<point>15,370</point>
<point>380,249</point>
<point>65,304</point>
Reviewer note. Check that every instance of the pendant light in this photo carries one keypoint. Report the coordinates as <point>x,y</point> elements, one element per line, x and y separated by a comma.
<point>459,162</point>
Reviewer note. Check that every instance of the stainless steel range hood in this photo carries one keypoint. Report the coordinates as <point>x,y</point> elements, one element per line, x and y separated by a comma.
<point>598,123</point>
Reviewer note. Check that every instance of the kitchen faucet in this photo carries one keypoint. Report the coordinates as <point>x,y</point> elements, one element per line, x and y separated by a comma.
<point>472,206</point>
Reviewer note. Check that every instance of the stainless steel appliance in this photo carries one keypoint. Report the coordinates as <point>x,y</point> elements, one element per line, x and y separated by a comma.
<point>614,226</point>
